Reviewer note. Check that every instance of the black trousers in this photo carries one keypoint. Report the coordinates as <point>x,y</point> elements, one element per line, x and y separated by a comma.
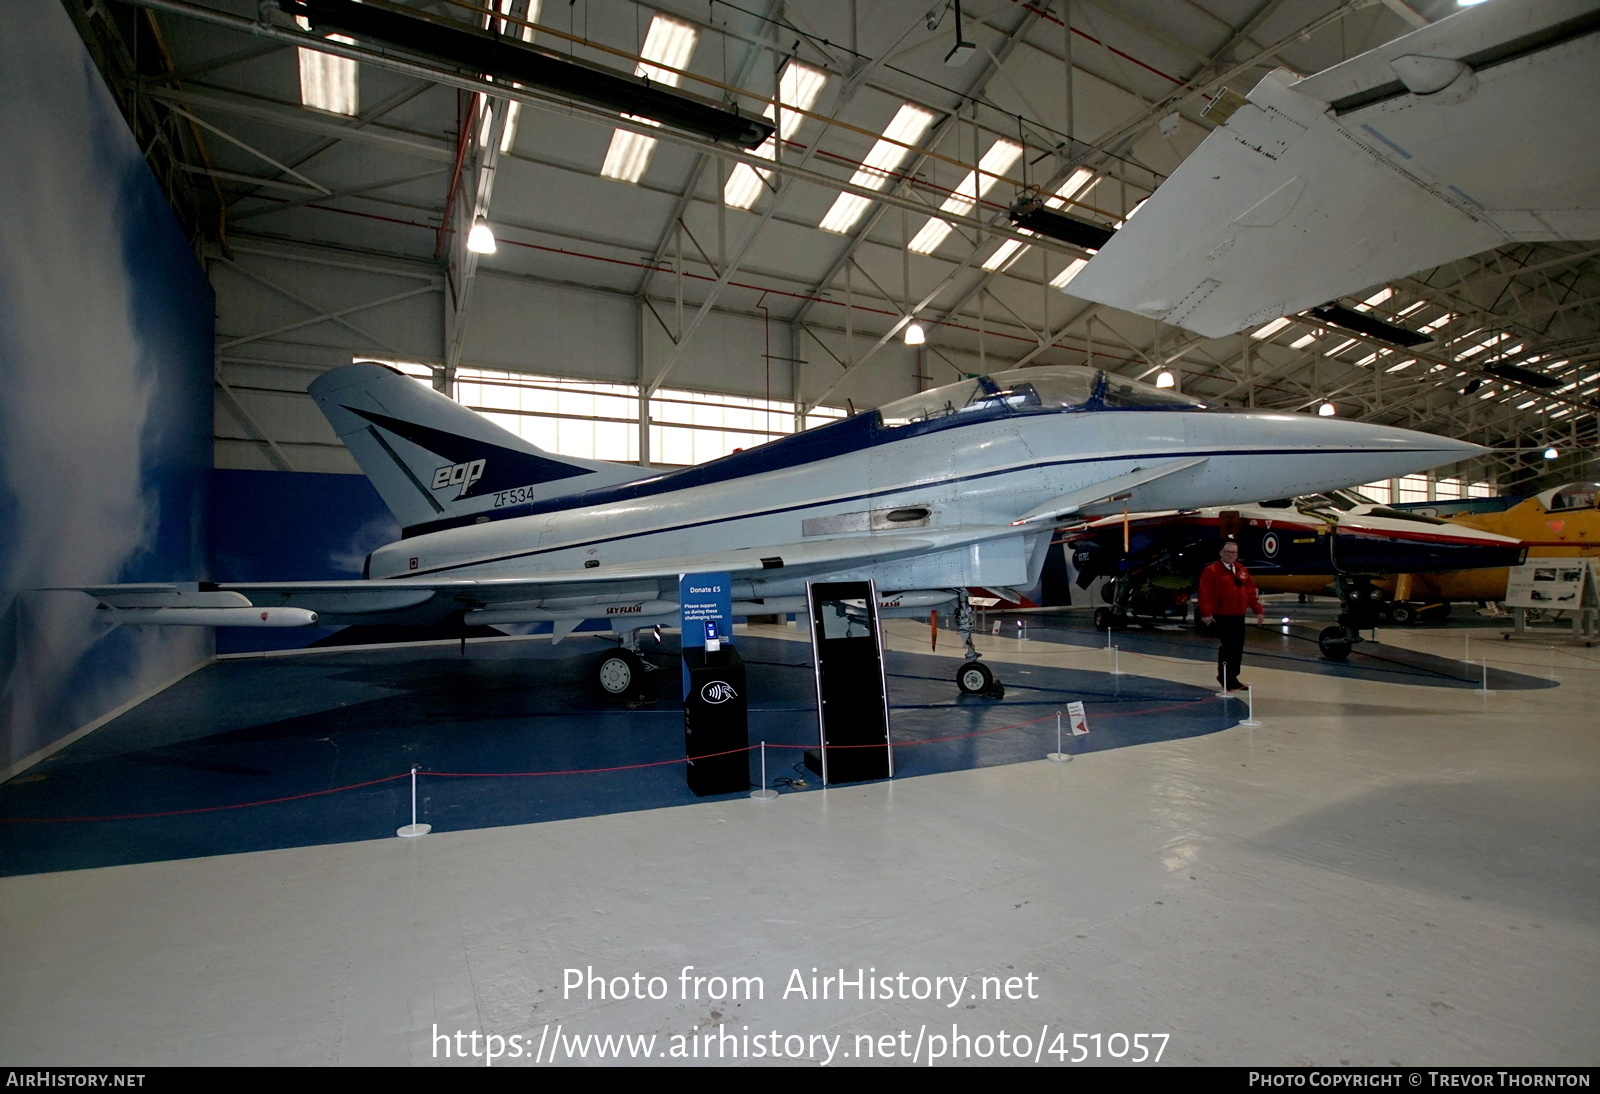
<point>1230,632</point>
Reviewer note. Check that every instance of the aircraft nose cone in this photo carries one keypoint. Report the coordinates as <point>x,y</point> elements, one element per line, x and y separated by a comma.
<point>1448,449</point>
<point>1311,449</point>
<point>1393,452</point>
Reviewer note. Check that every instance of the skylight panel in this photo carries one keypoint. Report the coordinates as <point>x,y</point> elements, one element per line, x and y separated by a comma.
<point>1419,305</point>
<point>1007,254</point>
<point>1304,341</point>
<point>1554,413</point>
<point>668,43</point>
<point>1340,348</point>
<point>1481,346</point>
<point>1371,357</point>
<point>1402,365</point>
<point>1375,299</point>
<point>999,159</point>
<point>1062,279</point>
<point>1272,328</point>
<point>1429,328</point>
<point>905,129</point>
<point>1074,187</point>
<point>798,88</point>
<point>629,155</point>
<point>328,83</point>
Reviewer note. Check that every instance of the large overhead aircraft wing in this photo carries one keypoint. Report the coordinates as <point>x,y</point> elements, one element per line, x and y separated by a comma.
<point>574,593</point>
<point>1474,132</point>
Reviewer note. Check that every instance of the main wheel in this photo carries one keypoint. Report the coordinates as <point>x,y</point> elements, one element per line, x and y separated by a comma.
<point>974,678</point>
<point>620,674</point>
<point>1402,615</point>
<point>1104,619</point>
<point>1334,643</point>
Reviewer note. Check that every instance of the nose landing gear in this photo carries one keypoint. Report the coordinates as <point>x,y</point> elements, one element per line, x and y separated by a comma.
<point>974,677</point>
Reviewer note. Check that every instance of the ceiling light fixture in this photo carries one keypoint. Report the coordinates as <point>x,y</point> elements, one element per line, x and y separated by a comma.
<point>1327,410</point>
<point>915,335</point>
<point>481,239</point>
<point>1551,453</point>
<point>1166,379</point>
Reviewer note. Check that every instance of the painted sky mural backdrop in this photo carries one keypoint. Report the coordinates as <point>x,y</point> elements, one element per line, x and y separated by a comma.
<point>105,391</point>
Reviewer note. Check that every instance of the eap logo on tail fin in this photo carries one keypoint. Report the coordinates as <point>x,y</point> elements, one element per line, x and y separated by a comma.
<point>459,474</point>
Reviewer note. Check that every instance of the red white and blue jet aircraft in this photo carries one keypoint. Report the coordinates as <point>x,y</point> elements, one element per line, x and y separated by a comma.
<point>952,488</point>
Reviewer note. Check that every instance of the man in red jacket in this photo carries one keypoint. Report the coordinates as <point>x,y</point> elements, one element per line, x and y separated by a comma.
<point>1226,591</point>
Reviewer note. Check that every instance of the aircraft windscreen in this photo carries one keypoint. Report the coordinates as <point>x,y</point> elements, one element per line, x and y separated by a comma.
<point>1355,497</point>
<point>931,404</point>
<point>1064,387</point>
<point>1122,393</point>
<point>1018,389</point>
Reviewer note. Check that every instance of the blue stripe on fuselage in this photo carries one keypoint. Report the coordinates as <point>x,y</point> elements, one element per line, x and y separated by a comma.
<point>853,434</point>
<point>725,518</point>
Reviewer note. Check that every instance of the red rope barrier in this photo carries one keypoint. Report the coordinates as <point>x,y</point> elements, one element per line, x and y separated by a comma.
<point>204,809</point>
<point>572,771</point>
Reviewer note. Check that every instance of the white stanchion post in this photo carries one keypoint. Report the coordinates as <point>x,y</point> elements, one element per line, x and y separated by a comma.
<point>413,830</point>
<point>1551,650</point>
<point>1060,755</point>
<point>765,794</point>
<point>1116,660</point>
<point>1486,676</point>
<point>1250,708</point>
<point>1466,648</point>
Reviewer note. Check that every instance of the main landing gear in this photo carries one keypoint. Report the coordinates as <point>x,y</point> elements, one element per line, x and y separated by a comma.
<point>974,677</point>
<point>625,675</point>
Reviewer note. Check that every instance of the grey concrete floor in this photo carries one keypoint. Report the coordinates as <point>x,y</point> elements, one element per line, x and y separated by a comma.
<point>1378,874</point>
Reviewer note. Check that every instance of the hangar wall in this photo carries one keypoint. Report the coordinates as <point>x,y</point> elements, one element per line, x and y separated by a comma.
<point>105,424</point>
<point>286,313</point>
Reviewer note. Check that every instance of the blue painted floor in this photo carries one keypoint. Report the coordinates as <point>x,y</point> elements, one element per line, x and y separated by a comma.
<point>327,742</point>
<point>1290,646</point>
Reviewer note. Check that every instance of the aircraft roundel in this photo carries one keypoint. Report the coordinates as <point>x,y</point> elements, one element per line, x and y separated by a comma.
<point>1555,525</point>
<point>1269,544</point>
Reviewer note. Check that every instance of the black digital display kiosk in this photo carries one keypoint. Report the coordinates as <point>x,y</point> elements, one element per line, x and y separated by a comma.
<point>852,700</point>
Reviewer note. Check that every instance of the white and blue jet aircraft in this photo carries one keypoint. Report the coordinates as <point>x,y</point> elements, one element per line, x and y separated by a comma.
<point>956,487</point>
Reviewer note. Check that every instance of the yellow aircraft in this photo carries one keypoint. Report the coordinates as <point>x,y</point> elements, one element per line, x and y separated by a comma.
<point>1560,523</point>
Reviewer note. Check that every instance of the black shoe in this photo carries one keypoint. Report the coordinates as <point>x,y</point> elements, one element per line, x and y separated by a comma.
<point>1237,685</point>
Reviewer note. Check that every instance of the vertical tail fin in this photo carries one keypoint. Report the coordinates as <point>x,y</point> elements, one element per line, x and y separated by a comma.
<point>432,459</point>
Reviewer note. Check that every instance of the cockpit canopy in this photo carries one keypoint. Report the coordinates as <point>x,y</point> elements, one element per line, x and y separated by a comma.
<point>1573,496</point>
<point>1034,390</point>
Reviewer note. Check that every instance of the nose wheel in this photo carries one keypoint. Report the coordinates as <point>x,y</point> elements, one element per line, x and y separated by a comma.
<point>974,678</point>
